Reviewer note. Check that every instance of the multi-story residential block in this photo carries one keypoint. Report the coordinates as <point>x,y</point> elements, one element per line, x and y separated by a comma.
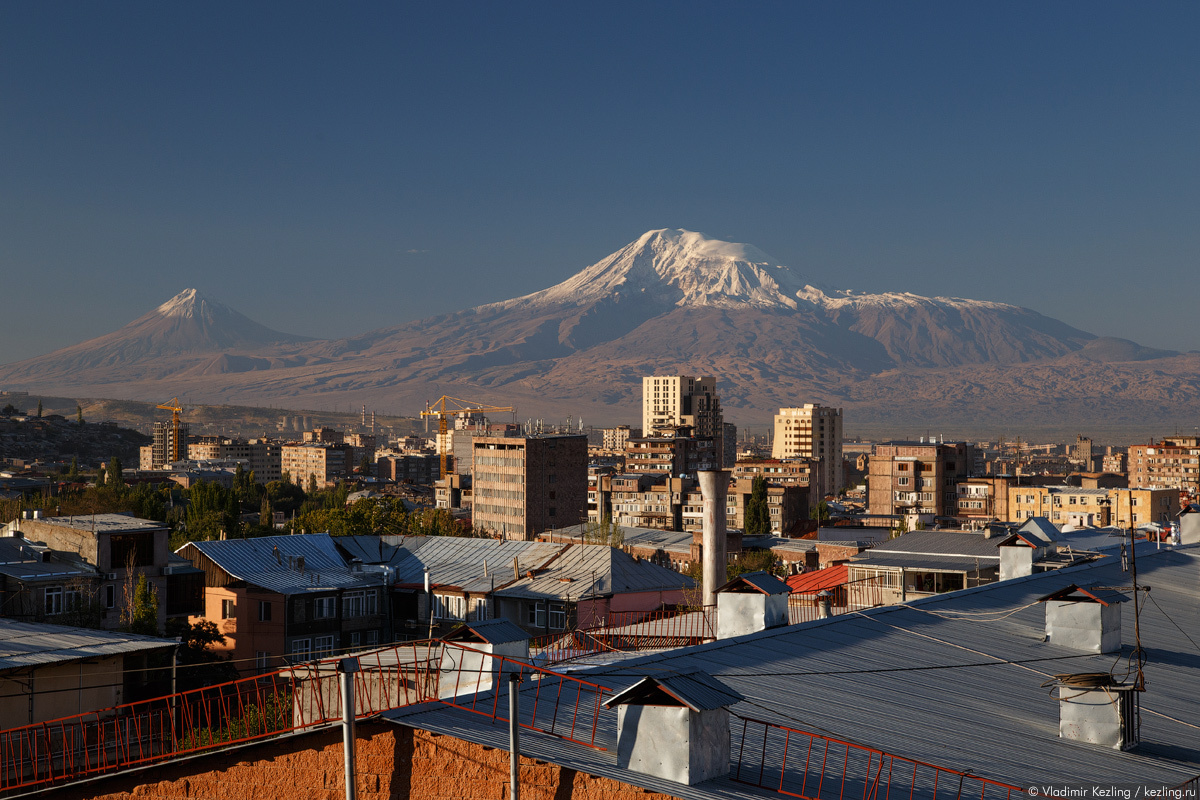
<point>806,472</point>
<point>261,456</point>
<point>649,500</point>
<point>313,461</point>
<point>1082,507</point>
<point>676,454</point>
<point>786,505</point>
<point>984,498</point>
<point>524,485</point>
<point>811,431</point>
<point>1173,462</point>
<point>917,477</point>
<point>422,468</point>
<point>1115,463</point>
<point>671,401</point>
<point>324,436</point>
<point>614,439</point>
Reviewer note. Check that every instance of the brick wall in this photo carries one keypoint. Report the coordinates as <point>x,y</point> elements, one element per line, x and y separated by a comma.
<point>394,763</point>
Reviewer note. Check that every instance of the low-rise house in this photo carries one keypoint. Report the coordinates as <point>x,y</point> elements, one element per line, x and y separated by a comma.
<point>53,671</point>
<point>286,599</point>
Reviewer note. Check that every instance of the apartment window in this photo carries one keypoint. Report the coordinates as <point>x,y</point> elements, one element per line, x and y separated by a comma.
<point>558,616</point>
<point>110,596</point>
<point>322,647</point>
<point>372,638</point>
<point>264,611</point>
<point>228,609</point>
<point>355,639</point>
<point>537,614</point>
<point>324,608</point>
<point>59,600</point>
<point>360,604</point>
<point>300,649</point>
<point>262,660</point>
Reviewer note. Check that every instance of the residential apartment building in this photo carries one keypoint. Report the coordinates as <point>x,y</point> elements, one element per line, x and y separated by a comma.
<point>674,400</point>
<point>314,461</point>
<point>1082,507</point>
<point>811,431</point>
<point>806,472</point>
<point>164,448</point>
<point>984,498</point>
<point>1173,462</point>
<point>675,454</point>
<point>262,456</point>
<point>614,439</point>
<point>419,468</point>
<point>917,477</point>
<point>523,485</point>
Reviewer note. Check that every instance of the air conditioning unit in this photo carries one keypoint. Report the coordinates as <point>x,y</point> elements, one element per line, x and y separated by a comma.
<point>110,576</point>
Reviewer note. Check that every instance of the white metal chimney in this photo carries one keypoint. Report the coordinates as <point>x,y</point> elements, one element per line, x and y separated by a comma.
<point>714,489</point>
<point>1086,618</point>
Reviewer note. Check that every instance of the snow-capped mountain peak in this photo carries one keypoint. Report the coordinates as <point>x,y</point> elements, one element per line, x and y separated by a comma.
<point>682,268</point>
<point>188,303</point>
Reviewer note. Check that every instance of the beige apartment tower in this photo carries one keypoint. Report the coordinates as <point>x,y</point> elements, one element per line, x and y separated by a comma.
<point>811,431</point>
<point>669,401</point>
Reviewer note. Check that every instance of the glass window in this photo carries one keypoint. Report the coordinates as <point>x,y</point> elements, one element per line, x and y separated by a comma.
<point>300,649</point>
<point>228,609</point>
<point>558,616</point>
<point>537,614</point>
<point>264,611</point>
<point>324,608</point>
<point>322,647</point>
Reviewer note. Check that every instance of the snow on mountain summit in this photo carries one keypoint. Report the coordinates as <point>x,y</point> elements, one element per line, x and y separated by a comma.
<point>682,268</point>
<point>188,303</point>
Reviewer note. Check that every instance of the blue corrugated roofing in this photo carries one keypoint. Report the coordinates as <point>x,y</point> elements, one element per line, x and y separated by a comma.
<point>491,631</point>
<point>697,690</point>
<point>273,562</point>
<point>29,644</point>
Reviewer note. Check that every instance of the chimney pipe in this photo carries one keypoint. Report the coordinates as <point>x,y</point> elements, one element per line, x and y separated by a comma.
<point>714,488</point>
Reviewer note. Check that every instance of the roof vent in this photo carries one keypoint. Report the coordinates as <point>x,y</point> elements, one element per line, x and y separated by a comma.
<point>1094,708</point>
<point>1086,618</point>
<point>472,667</point>
<point>675,727</point>
<point>751,603</point>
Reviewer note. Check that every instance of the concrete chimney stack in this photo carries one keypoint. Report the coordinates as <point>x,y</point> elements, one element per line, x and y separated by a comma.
<point>714,489</point>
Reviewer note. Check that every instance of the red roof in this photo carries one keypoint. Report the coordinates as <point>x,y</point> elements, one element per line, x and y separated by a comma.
<point>813,582</point>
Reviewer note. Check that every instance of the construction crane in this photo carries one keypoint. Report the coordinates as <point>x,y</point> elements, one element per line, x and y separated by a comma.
<point>176,427</point>
<point>449,407</point>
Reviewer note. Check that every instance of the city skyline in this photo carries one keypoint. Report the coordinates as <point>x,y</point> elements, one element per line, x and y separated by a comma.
<point>389,163</point>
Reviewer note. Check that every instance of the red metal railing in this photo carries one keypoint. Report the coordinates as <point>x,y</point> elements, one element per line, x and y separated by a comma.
<point>849,596</point>
<point>292,699</point>
<point>816,767</point>
<point>560,705</point>
<point>629,631</point>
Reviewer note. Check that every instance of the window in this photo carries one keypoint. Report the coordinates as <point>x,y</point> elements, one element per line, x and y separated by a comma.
<point>360,604</point>
<point>300,649</point>
<point>110,596</point>
<point>262,660</point>
<point>558,616</point>
<point>324,608</point>
<point>355,639</point>
<point>372,638</point>
<point>902,481</point>
<point>264,611</point>
<point>54,600</point>
<point>447,606</point>
<point>537,614</point>
<point>228,609</point>
<point>322,647</point>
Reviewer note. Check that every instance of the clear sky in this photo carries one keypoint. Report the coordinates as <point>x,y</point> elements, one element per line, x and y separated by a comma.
<point>330,168</point>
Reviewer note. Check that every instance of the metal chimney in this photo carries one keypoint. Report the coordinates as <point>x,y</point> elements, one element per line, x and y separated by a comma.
<point>714,489</point>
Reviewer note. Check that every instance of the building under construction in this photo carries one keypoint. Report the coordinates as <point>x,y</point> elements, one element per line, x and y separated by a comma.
<point>164,448</point>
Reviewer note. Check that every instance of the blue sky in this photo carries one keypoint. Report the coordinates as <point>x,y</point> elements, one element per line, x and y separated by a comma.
<point>333,168</point>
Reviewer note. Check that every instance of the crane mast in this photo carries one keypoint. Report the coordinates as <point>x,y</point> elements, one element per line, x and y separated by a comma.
<point>446,407</point>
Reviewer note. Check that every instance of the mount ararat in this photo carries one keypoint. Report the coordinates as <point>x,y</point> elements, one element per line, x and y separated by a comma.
<point>672,301</point>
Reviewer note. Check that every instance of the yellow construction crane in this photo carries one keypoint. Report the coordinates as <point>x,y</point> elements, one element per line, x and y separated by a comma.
<point>450,407</point>
<point>176,427</point>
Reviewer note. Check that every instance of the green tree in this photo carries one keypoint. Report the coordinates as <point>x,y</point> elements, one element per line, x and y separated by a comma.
<point>758,514</point>
<point>603,532</point>
<point>10,410</point>
<point>312,484</point>
<point>819,512</point>
<point>116,474</point>
<point>39,409</point>
<point>265,514</point>
<point>79,414</point>
<point>73,470</point>
<point>140,614</point>
<point>365,466</point>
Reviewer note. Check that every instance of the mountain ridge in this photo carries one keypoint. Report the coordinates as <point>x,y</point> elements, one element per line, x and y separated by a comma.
<point>670,301</point>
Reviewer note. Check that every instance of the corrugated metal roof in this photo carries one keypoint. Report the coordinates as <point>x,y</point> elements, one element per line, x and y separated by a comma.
<point>1101,594</point>
<point>459,562</point>
<point>586,570</point>
<point>941,543</point>
<point>760,581</point>
<point>953,680</point>
<point>697,690</point>
<point>491,631</point>
<point>30,644</point>
<point>813,582</point>
<point>272,562</point>
<point>870,558</point>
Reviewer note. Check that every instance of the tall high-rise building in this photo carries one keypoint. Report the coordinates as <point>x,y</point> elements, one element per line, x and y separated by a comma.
<point>669,401</point>
<point>811,431</point>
